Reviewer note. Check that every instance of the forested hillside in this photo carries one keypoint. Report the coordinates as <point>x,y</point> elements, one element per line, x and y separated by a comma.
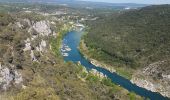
<point>136,43</point>
<point>134,38</point>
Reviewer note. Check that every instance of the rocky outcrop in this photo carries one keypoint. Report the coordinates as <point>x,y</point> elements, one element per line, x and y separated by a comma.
<point>154,77</point>
<point>161,86</point>
<point>19,25</point>
<point>27,45</point>
<point>9,77</point>
<point>19,55</point>
<point>43,28</point>
<point>42,46</point>
<point>38,32</point>
<point>97,73</point>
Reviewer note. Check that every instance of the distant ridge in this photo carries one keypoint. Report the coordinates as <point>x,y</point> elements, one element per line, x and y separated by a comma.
<point>77,3</point>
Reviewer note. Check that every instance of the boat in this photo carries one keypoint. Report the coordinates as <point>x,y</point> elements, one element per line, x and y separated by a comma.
<point>63,50</point>
<point>68,49</point>
<point>65,54</point>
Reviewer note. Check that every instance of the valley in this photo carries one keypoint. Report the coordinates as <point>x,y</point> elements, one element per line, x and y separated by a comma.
<point>63,50</point>
<point>31,64</point>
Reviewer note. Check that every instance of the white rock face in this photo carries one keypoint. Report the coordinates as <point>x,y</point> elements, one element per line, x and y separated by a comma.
<point>27,45</point>
<point>33,38</point>
<point>32,56</point>
<point>6,77</point>
<point>145,84</point>
<point>29,30</point>
<point>162,84</point>
<point>53,23</point>
<point>19,24</point>
<point>43,28</point>
<point>152,68</point>
<point>155,87</point>
<point>96,73</point>
<point>166,76</point>
<point>28,21</point>
<point>42,46</point>
<point>54,34</point>
<point>18,77</point>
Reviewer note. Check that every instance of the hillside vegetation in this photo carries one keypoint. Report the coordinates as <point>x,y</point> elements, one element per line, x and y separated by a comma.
<point>136,43</point>
<point>31,66</point>
<point>133,38</point>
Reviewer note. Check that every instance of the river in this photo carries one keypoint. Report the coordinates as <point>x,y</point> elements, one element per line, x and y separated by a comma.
<point>71,53</point>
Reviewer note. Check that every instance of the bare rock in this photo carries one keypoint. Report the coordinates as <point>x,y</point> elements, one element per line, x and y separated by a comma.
<point>43,28</point>
<point>9,77</point>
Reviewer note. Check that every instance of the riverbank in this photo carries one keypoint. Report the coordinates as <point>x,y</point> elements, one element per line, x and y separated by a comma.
<point>139,80</point>
<point>56,42</point>
<point>95,78</point>
<point>124,72</point>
